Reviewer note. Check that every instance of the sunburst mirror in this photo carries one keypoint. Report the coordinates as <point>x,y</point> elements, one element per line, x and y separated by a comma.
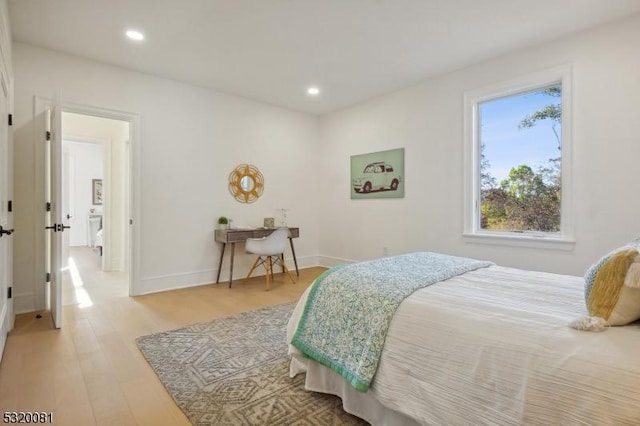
<point>246,183</point>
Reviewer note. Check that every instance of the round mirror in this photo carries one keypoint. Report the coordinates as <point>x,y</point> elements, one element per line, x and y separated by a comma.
<point>246,183</point>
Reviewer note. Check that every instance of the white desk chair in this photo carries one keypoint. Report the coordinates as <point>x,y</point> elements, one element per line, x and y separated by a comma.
<point>270,251</point>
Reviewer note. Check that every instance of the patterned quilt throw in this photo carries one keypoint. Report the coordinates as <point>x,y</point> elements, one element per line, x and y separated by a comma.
<point>350,307</point>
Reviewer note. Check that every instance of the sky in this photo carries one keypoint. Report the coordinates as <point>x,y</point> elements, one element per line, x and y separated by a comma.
<point>506,146</point>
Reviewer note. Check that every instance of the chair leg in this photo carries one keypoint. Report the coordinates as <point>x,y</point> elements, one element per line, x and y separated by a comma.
<point>252,268</point>
<point>269,263</point>
<point>285,269</point>
<point>273,264</point>
<point>269,272</point>
<point>293,281</point>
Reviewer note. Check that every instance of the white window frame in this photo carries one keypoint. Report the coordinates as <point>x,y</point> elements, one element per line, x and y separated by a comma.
<point>473,233</point>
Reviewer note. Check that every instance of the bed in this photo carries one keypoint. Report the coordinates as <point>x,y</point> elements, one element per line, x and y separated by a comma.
<point>98,243</point>
<point>492,346</point>
<point>95,232</point>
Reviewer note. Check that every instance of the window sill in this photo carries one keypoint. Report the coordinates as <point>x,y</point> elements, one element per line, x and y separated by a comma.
<point>530,241</point>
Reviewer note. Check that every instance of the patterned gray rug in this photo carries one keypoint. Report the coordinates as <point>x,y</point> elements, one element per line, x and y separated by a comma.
<point>235,371</point>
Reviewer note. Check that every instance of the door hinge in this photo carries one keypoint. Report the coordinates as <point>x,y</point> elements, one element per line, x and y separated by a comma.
<point>47,206</point>
<point>9,292</point>
<point>10,120</point>
<point>9,206</point>
<point>48,135</point>
<point>48,278</point>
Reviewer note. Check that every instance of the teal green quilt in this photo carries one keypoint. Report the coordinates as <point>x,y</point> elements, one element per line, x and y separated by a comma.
<point>345,320</point>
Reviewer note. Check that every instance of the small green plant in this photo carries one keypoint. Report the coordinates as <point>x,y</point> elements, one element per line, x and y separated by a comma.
<point>223,220</point>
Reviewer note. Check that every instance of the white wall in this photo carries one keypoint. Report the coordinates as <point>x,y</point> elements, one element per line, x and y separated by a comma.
<point>85,159</point>
<point>427,120</point>
<point>191,139</point>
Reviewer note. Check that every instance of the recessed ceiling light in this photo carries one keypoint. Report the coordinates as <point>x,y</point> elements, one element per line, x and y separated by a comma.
<point>313,91</point>
<point>135,35</point>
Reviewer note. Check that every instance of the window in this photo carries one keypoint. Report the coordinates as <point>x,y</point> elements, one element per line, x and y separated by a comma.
<point>517,160</point>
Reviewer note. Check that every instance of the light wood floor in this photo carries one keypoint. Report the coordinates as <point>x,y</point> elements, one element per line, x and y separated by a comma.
<point>90,372</point>
<point>92,283</point>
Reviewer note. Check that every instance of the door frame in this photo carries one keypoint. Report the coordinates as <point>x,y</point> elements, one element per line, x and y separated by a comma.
<point>41,104</point>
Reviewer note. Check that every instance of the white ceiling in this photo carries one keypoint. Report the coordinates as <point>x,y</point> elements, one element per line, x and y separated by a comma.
<point>272,50</point>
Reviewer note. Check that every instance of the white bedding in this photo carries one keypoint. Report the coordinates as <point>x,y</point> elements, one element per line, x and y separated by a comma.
<point>98,242</point>
<point>493,347</point>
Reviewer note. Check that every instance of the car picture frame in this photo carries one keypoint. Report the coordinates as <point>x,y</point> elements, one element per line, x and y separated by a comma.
<point>377,175</point>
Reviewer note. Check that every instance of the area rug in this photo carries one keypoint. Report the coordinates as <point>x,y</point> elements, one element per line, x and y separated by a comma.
<point>235,371</point>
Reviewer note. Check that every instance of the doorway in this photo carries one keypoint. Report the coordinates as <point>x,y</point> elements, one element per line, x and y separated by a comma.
<point>95,202</point>
<point>47,124</point>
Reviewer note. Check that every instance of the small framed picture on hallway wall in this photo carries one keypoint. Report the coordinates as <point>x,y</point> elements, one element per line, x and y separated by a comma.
<point>96,185</point>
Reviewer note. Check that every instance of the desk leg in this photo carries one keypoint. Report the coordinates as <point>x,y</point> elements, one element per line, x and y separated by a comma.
<point>233,250</point>
<point>220,264</point>
<point>281,258</point>
<point>293,251</point>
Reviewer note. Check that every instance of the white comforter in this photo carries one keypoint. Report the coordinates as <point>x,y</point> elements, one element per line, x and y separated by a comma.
<point>493,347</point>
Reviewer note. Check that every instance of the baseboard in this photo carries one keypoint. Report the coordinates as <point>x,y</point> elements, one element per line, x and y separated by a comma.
<point>174,282</point>
<point>193,279</point>
<point>117,264</point>
<point>329,261</point>
<point>26,302</point>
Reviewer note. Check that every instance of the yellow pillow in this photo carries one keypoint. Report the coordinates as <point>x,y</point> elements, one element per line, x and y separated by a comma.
<point>612,286</point>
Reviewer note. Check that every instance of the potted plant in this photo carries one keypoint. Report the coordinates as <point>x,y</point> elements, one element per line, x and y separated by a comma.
<point>223,222</point>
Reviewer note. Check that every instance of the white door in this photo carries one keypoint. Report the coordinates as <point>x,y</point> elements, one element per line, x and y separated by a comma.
<point>55,225</point>
<point>6,306</point>
<point>67,211</point>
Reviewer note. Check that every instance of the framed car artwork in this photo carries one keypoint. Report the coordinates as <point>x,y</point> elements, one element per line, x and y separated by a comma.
<point>378,174</point>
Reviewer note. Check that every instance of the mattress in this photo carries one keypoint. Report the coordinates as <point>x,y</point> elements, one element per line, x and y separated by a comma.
<point>492,347</point>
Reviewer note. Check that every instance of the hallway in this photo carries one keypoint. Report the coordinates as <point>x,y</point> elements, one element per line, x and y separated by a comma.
<point>84,283</point>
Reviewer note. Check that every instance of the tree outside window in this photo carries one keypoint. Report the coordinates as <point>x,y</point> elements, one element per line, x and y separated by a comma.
<point>520,140</point>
